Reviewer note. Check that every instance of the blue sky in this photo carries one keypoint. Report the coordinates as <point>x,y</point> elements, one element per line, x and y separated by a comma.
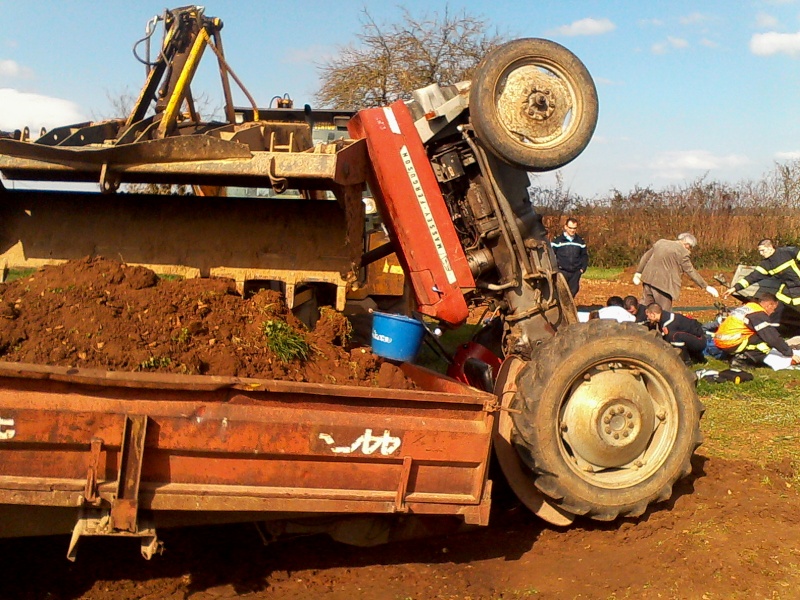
<point>685,88</point>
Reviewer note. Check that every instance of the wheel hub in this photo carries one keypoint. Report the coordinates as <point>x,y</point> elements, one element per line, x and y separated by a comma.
<point>534,105</point>
<point>540,104</point>
<point>608,420</point>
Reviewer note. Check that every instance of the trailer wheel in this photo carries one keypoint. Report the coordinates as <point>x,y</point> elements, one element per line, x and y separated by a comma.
<point>609,419</point>
<point>533,103</point>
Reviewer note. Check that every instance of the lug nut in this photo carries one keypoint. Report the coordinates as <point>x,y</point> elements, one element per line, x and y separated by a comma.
<point>629,415</point>
<point>630,425</point>
<point>606,419</point>
<point>608,430</point>
<point>661,415</point>
<point>625,434</point>
<point>616,436</point>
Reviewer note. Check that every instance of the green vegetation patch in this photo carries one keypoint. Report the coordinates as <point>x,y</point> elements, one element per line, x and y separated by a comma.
<point>757,420</point>
<point>155,362</point>
<point>285,342</point>
<point>14,274</point>
<point>603,273</point>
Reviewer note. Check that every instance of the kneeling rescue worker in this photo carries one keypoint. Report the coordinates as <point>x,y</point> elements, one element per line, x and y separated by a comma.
<point>747,335</point>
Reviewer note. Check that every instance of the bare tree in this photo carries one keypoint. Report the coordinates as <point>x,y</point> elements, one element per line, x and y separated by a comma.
<point>392,60</point>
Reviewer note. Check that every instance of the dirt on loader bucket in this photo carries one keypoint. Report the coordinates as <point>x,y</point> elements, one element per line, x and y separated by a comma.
<point>101,313</point>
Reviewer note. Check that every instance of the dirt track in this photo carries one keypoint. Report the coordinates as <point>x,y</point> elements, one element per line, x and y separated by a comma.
<point>732,530</point>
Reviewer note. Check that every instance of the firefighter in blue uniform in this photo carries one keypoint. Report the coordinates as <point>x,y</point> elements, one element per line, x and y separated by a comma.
<point>781,265</point>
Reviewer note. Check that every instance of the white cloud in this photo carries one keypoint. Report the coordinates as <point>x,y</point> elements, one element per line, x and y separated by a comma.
<point>772,42</point>
<point>22,109</point>
<point>10,68</point>
<point>585,27</point>
<point>686,163</point>
<point>672,42</point>
<point>791,155</point>
<point>766,21</point>
<point>694,18</point>
<point>709,43</point>
<point>677,42</point>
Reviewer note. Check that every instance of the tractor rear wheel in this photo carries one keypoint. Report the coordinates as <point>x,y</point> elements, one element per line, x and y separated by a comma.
<point>609,419</point>
<point>533,104</point>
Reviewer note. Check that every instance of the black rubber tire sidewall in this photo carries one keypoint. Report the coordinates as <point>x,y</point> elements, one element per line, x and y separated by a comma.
<point>541,388</point>
<point>483,110</point>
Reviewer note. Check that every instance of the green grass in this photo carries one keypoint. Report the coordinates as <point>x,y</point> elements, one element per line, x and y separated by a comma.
<point>155,362</point>
<point>14,274</point>
<point>285,342</point>
<point>603,273</point>
<point>757,420</point>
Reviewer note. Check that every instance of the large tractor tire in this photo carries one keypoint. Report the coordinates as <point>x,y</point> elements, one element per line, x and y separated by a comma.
<point>608,419</point>
<point>533,104</point>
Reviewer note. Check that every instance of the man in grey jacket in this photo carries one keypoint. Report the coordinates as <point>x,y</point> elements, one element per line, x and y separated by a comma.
<point>660,271</point>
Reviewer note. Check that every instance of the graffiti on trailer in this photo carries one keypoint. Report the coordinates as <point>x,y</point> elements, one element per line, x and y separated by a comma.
<point>7,430</point>
<point>367,443</point>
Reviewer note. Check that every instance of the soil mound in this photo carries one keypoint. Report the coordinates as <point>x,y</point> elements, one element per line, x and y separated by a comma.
<point>100,313</point>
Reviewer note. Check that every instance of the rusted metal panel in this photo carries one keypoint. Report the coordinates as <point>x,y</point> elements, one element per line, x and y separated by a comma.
<point>228,444</point>
<point>187,160</point>
<point>125,506</point>
<point>39,228</point>
<point>432,387</point>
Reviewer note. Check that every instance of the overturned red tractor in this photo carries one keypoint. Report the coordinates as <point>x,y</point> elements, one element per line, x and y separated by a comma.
<point>596,419</point>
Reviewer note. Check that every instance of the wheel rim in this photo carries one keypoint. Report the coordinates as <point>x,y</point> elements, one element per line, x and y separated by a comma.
<point>618,423</point>
<point>536,103</point>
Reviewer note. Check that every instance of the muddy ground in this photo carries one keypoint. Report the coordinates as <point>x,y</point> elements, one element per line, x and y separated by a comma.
<point>732,530</point>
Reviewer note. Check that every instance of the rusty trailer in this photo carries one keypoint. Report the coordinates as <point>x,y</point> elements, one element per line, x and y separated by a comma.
<point>110,453</point>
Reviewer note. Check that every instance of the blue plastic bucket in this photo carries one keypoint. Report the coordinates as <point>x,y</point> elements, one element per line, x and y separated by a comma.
<point>396,337</point>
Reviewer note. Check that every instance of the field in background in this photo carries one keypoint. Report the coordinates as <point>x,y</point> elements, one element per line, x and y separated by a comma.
<point>728,220</point>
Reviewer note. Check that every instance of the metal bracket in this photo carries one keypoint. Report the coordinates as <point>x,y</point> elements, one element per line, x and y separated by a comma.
<point>98,522</point>
<point>491,406</point>
<point>125,506</point>
<point>405,474</point>
<point>109,180</point>
<point>90,495</point>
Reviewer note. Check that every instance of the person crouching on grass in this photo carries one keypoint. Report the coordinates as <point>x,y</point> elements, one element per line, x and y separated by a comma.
<point>680,331</point>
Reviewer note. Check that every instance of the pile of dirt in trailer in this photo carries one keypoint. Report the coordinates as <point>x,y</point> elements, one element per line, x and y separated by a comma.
<point>100,313</point>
